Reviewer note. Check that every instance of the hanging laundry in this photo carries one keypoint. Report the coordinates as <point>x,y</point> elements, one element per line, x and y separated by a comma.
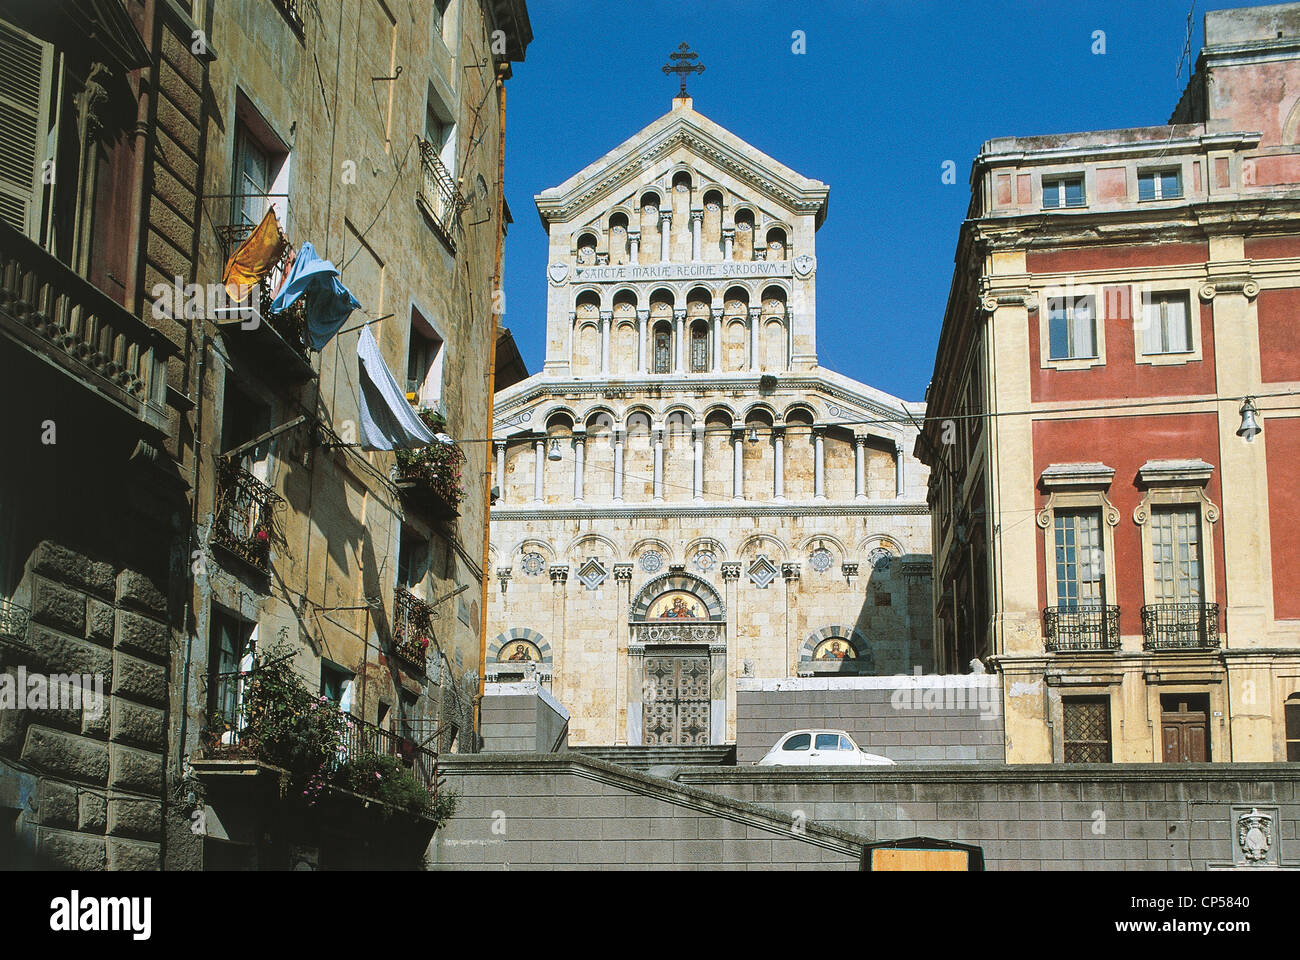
<point>387,420</point>
<point>329,303</point>
<point>255,258</point>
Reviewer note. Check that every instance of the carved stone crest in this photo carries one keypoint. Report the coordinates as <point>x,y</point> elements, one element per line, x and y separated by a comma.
<point>557,272</point>
<point>1255,835</point>
<point>804,265</point>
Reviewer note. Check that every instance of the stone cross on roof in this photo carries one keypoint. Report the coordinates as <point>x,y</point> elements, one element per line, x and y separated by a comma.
<point>684,66</point>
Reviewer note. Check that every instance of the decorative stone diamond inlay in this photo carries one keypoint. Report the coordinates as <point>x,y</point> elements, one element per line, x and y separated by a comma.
<point>762,572</point>
<point>592,573</point>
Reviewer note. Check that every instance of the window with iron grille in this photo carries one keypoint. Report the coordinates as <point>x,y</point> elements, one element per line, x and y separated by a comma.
<point>1086,729</point>
<point>663,351</point>
<point>699,349</point>
<point>1176,554</point>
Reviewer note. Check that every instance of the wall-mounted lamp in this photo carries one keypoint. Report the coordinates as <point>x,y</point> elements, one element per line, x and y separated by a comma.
<point>1249,424</point>
<point>554,452</point>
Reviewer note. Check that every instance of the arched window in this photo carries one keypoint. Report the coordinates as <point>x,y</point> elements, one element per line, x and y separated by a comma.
<point>663,348</point>
<point>699,347</point>
<point>587,249</point>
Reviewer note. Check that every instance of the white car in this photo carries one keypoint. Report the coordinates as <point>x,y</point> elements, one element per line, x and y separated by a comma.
<point>815,748</point>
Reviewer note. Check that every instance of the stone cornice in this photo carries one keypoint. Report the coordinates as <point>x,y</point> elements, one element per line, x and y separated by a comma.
<point>508,407</point>
<point>625,511</point>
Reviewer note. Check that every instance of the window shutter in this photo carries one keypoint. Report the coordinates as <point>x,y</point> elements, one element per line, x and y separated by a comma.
<point>25,68</point>
<point>1152,337</point>
<point>1176,313</point>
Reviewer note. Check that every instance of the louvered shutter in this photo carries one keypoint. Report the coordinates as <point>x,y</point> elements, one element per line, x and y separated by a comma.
<point>25,68</point>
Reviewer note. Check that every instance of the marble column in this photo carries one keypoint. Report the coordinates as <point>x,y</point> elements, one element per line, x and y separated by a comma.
<point>573,334</point>
<point>618,464</point>
<point>716,314</point>
<point>860,468</point>
<point>697,476</point>
<point>500,446</point>
<point>539,462</point>
<point>697,236</point>
<point>755,324</point>
<point>898,468</point>
<point>643,341</point>
<point>738,464</point>
<point>728,242</point>
<point>579,456</point>
<point>819,463</point>
<point>789,336</point>
<point>606,335</point>
<point>679,340</point>
<point>634,246</point>
<point>665,233</point>
<point>778,462</point>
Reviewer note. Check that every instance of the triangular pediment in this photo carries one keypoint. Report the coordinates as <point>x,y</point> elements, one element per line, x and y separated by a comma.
<point>714,150</point>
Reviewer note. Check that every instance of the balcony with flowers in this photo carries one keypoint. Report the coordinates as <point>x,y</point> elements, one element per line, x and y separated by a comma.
<point>412,628</point>
<point>430,477</point>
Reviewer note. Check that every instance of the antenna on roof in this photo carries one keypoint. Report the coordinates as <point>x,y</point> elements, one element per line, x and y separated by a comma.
<point>1187,44</point>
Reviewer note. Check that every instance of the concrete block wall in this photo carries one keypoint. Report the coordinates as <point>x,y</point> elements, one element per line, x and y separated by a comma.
<point>90,796</point>
<point>910,719</point>
<point>563,811</point>
<point>522,717</point>
<point>1038,817</point>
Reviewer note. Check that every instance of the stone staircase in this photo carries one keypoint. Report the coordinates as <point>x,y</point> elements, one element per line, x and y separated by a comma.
<point>647,758</point>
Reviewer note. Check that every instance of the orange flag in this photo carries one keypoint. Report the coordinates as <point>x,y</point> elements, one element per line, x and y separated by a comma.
<point>255,258</point>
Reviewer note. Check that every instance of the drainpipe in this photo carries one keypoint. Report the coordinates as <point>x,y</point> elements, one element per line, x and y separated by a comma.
<point>502,72</point>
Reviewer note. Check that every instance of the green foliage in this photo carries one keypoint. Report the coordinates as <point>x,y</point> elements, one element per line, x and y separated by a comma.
<point>438,465</point>
<point>388,779</point>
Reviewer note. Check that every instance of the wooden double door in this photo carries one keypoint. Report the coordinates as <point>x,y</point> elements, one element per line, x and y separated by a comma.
<point>1185,727</point>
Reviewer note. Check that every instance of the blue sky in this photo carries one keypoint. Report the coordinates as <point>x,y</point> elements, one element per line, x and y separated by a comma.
<point>886,92</point>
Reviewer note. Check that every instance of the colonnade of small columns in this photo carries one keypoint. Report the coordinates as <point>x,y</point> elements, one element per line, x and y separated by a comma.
<point>545,447</point>
<point>754,319</point>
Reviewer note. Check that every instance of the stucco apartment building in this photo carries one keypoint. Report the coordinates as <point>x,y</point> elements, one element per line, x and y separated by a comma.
<point>1112,431</point>
<point>242,503</point>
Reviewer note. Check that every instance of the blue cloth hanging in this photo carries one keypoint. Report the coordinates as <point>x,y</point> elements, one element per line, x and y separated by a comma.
<point>329,303</point>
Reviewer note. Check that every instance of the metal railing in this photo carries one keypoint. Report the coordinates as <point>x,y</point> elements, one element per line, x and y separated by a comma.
<point>228,706</point>
<point>243,517</point>
<point>1085,627</point>
<point>236,231</point>
<point>438,191</point>
<point>412,627</point>
<point>1180,626</point>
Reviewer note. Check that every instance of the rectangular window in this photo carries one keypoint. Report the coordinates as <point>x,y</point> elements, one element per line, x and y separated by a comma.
<point>1176,554</point>
<point>1160,185</point>
<point>230,651</point>
<point>1086,729</point>
<point>424,365</point>
<point>1072,328</point>
<point>1063,192</point>
<point>334,684</point>
<point>699,351</point>
<point>1166,324</point>
<point>663,351</point>
<point>1080,578</point>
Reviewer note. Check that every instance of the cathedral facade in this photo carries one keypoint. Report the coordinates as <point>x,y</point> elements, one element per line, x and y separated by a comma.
<point>684,496</point>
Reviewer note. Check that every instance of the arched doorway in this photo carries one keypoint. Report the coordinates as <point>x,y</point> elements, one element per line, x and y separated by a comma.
<point>677,663</point>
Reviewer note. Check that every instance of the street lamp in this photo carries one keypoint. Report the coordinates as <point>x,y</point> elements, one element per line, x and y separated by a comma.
<point>1249,424</point>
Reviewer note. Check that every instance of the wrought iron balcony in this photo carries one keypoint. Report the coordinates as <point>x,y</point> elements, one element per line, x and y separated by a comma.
<point>54,312</point>
<point>244,524</point>
<point>438,194</point>
<point>412,627</point>
<point>1180,626</point>
<point>228,708</point>
<point>430,478</point>
<point>1087,627</point>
